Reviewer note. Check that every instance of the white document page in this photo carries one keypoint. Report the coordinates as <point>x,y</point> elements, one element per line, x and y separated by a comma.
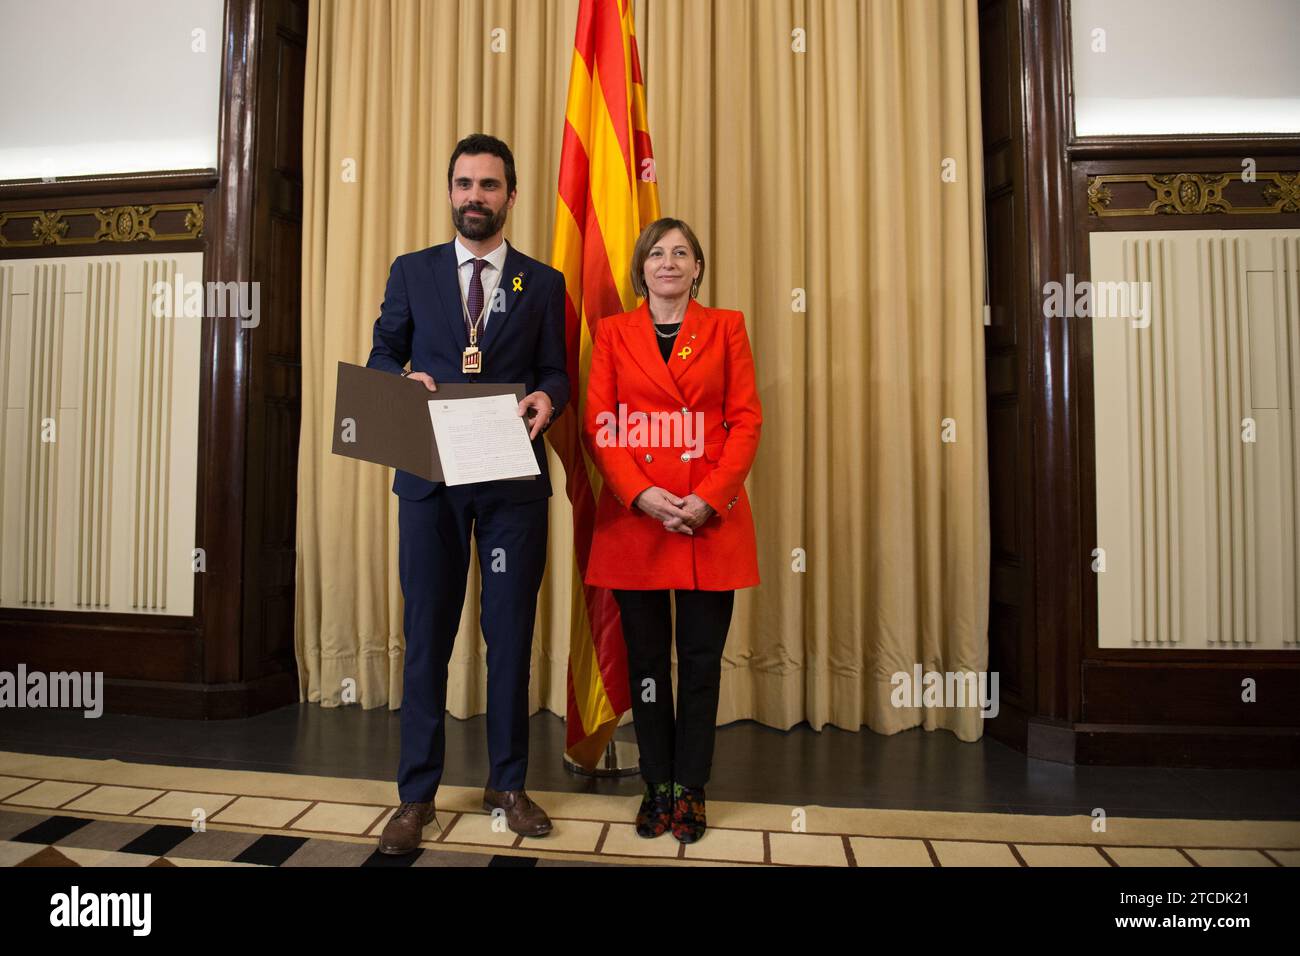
<point>481,439</point>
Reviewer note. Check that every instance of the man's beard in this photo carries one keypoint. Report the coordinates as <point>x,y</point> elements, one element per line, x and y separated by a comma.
<point>478,228</point>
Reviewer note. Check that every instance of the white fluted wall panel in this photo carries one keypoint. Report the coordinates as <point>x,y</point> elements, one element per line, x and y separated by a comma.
<point>1197,447</point>
<point>100,435</point>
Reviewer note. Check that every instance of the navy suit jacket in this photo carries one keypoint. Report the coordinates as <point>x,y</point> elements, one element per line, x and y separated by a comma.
<point>421,321</point>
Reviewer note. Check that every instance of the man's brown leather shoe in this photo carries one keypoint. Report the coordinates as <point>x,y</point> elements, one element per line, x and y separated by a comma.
<point>405,828</point>
<point>522,815</point>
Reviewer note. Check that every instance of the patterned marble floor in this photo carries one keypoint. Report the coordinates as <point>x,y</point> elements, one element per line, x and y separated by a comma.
<point>64,811</point>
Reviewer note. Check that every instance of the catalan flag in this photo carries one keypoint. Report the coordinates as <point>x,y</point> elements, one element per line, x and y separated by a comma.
<point>607,195</point>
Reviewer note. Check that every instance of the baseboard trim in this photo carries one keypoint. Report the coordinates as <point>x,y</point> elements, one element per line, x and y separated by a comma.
<point>1153,745</point>
<point>200,701</point>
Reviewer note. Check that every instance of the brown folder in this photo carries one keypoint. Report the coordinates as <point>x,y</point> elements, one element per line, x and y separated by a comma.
<point>384,418</point>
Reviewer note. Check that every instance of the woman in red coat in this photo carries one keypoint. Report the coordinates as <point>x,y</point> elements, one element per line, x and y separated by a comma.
<point>672,421</point>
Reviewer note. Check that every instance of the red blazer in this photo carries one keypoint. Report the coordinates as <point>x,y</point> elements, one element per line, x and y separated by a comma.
<point>708,453</point>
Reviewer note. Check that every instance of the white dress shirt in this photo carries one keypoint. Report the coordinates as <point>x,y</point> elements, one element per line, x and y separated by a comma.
<point>490,277</point>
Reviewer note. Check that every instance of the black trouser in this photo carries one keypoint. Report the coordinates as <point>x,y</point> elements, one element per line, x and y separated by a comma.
<point>675,748</point>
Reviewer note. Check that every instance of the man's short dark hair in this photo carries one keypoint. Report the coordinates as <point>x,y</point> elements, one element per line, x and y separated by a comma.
<point>478,143</point>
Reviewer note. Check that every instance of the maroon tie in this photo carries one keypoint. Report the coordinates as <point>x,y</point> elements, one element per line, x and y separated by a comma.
<point>476,291</point>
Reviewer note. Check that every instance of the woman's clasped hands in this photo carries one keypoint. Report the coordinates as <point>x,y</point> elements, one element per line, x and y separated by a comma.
<point>683,515</point>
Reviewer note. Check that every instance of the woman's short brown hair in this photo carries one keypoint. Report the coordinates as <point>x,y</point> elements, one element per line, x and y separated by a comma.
<point>651,235</point>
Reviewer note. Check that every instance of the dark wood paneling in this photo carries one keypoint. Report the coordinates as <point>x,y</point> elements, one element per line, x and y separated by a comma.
<point>1005,232</point>
<point>274,405</point>
<point>102,192</point>
<point>1053,400</point>
<point>1008,374</point>
<point>1129,195</point>
<point>1005,503</point>
<point>284,290</point>
<point>1073,701</point>
<point>223,396</point>
<point>291,65</point>
<point>1197,690</point>
<point>153,652</point>
<point>1214,154</point>
<point>199,701</point>
<point>1016,679</point>
<point>998,107</point>
<point>1183,147</point>
<point>234,656</point>
<point>1208,693</point>
<point>1124,745</point>
<point>110,186</point>
<point>159,647</point>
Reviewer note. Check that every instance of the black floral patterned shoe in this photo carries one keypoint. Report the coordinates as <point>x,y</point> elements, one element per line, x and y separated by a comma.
<point>688,813</point>
<point>656,813</point>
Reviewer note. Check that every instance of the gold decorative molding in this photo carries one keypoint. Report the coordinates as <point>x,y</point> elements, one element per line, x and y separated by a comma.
<point>1194,194</point>
<point>1284,191</point>
<point>47,227</point>
<point>123,224</point>
<point>50,227</point>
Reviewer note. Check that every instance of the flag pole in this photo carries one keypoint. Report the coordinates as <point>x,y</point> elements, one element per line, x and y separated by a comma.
<point>622,758</point>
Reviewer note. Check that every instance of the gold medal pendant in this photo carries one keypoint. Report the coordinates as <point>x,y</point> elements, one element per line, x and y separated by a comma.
<point>471,361</point>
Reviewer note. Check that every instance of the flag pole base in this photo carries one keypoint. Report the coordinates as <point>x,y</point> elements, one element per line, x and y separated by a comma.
<point>621,759</point>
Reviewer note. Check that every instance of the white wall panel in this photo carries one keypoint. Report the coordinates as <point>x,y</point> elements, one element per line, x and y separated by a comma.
<point>1198,522</point>
<point>100,435</point>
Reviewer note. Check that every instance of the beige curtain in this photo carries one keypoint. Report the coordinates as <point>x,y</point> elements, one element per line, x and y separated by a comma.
<point>827,153</point>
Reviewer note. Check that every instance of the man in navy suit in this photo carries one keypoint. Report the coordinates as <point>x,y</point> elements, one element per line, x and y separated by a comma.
<point>472,310</point>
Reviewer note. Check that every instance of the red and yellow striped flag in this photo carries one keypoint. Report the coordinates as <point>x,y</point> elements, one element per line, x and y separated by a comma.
<point>608,194</point>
